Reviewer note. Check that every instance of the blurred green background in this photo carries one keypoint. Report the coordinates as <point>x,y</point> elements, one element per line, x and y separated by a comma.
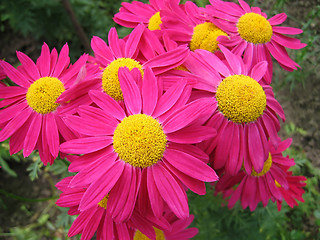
<point>27,192</point>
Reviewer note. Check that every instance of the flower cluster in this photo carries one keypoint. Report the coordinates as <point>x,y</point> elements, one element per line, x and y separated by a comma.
<point>184,99</point>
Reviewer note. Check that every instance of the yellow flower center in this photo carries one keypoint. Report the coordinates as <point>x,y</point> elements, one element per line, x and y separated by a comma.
<point>140,236</point>
<point>266,167</point>
<point>254,28</point>
<point>110,79</point>
<point>155,22</point>
<point>241,99</point>
<point>139,140</point>
<point>205,37</point>
<point>182,68</point>
<point>103,202</point>
<point>43,93</point>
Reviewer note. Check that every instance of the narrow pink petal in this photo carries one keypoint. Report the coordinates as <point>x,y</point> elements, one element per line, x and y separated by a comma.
<point>43,62</point>
<point>192,134</point>
<point>101,49</point>
<point>191,150</point>
<point>29,65</point>
<point>15,123</point>
<point>52,134</point>
<point>264,191</point>
<point>33,134</point>
<point>171,191</point>
<point>89,127</point>
<point>280,176</point>
<point>234,161</point>
<point>233,60</point>
<point>275,106</point>
<point>15,75</point>
<point>248,55</point>
<point>270,129</point>
<point>68,78</point>
<point>114,43</point>
<point>193,184</point>
<point>92,225</point>
<point>17,139</point>
<point>10,112</point>
<point>149,92</point>
<point>275,192</point>
<point>286,30</point>
<point>12,91</point>
<point>169,98</point>
<point>107,103</point>
<point>53,60</point>
<point>118,196</point>
<point>201,108</point>
<point>154,195</point>
<point>190,165</point>
<point>245,6</point>
<point>80,222</point>
<point>101,187</point>
<point>288,42</point>
<point>131,92</point>
<point>85,145</point>
<point>255,147</point>
<point>63,61</point>
<point>133,40</point>
<point>259,70</point>
<point>278,19</point>
<point>123,231</point>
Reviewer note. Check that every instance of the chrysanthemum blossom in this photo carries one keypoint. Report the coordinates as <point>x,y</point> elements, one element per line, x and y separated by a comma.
<point>187,26</point>
<point>132,14</point>
<point>140,50</point>
<point>255,36</point>
<point>178,229</point>
<point>259,186</point>
<point>145,151</point>
<point>246,113</point>
<point>96,219</point>
<point>32,117</point>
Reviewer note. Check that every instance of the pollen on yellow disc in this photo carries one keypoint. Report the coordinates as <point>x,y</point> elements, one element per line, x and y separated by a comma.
<point>155,22</point>
<point>110,79</point>
<point>43,93</point>
<point>266,168</point>
<point>103,202</point>
<point>205,37</point>
<point>139,140</point>
<point>254,28</point>
<point>140,236</point>
<point>241,99</point>
<point>277,184</point>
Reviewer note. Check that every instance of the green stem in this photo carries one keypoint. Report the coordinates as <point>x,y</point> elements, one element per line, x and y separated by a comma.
<point>11,195</point>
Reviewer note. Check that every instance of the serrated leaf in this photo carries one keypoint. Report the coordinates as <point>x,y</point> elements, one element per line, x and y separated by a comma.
<point>34,168</point>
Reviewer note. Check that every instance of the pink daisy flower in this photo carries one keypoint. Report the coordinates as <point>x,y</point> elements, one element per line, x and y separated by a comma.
<point>32,117</point>
<point>255,36</point>
<point>294,191</point>
<point>96,219</point>
<point>140,50</point>
<point>146,150</point>
<point>178,229</point>
<point>188,26</point>
<point>246,112</point>
<point>132,14</point>
<point>259,186</point>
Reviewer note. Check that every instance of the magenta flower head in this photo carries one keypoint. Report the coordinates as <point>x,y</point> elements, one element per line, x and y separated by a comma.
<point>32,117</point>
<point>143,151</point>
<point>246,111</point>
<point>251,33</point>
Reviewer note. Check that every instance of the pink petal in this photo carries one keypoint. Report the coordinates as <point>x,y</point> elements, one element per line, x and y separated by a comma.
<point>53,60</point>
<point>255,146</point>
<point>43,61</point>
<point>80,222</point>
<point>170,191</point>
<point>33,134</point>
<point>131,92</point>
<point>85,145</point>
<point>92,225</point>
<point>15,75</point>
<point>63,61</point>
<point>233,60</point>
<point>52,134</point>
<point>29,65</point>
<point>245,6</point>
<point>149,92</point>
<point>259,70</point>
<point>192,134</point>
<point>10,112</point>
<point>101,187</point>
<point>12,91</point>
<point>154,195</point>
<point>278,19</point>
<point>286,30</point>
<point>107,103</point>
<point>101,49</point>
<point>133,40</point>
<point>114,43</point>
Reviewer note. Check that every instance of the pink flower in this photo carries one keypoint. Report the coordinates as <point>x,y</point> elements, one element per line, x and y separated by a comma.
<point>144,152</point>
<point>246,112</point>
<point>96,219</point>
<point>132,14</point>
<point>189,26</point>
<point>257,187</point>
<point>32,117</point>
<point>253,35</point>
<point>178,229</point>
